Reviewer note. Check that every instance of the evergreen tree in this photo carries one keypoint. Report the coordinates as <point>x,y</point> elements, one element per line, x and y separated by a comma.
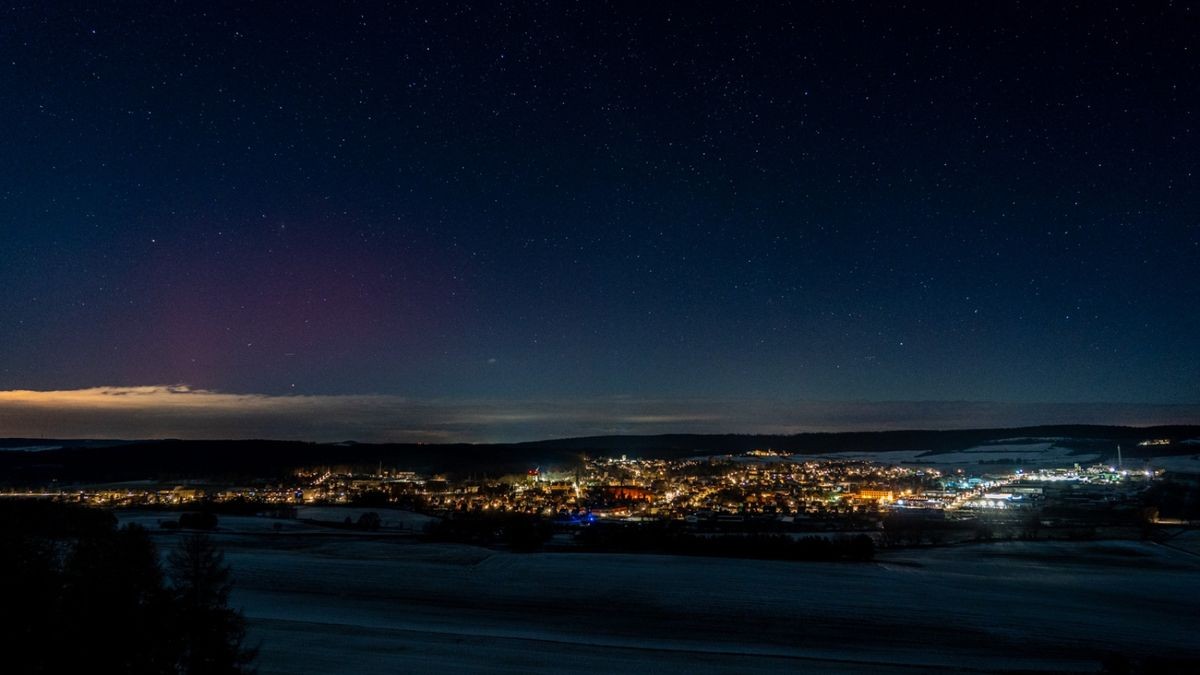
<point>212,633</point>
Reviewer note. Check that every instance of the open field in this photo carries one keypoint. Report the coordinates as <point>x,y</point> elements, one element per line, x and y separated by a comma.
<point>323,603</point>
<point>1025,455</point>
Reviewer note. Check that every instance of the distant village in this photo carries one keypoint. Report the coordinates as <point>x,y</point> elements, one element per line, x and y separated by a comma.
<point>757,491</point>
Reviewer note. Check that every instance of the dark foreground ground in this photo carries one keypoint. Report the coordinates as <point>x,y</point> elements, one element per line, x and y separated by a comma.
<point>324,602</point>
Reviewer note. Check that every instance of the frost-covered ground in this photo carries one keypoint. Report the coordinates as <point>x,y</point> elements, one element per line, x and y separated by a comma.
<point>396,520</point>
<point>152,520</point>
<point>339,603</point>
<point>893,457</point>
<point>1045,454</point>
<point>388,518</point>
<point>1040,453</point>
<point>1030,453</point>
<point>1179,463</point>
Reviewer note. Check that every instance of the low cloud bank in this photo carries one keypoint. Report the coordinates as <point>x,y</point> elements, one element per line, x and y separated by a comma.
<point>183,412</point>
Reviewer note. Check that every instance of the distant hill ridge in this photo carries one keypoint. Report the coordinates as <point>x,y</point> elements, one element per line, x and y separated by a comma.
<point>110,460</point>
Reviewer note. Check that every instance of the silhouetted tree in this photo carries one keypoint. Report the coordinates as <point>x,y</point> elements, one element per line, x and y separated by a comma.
<point>212,634</point>
<point>88,597</point>
<point>30,582</point>
<point>525,535</point>
<point>369,521</point>
<point>113,608</point>
<point>203,520</point>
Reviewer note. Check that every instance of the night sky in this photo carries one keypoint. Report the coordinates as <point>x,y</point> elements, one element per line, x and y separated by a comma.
<point>646,209</point>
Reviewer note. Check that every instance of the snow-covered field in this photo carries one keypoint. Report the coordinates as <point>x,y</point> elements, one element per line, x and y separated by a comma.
<point>1045,454</point>
<point>389,518</point>
<point>1180,463</point>
<point>1032,453</point>
<point>339,603</point>
<point>152,520</point>
<point>1025,453</point>
<point>893,457</point>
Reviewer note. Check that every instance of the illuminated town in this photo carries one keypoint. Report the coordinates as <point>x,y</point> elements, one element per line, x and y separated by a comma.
<point>760,490</point>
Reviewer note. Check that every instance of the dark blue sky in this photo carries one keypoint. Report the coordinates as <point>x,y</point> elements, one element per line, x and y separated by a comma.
<point>572,200</point>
